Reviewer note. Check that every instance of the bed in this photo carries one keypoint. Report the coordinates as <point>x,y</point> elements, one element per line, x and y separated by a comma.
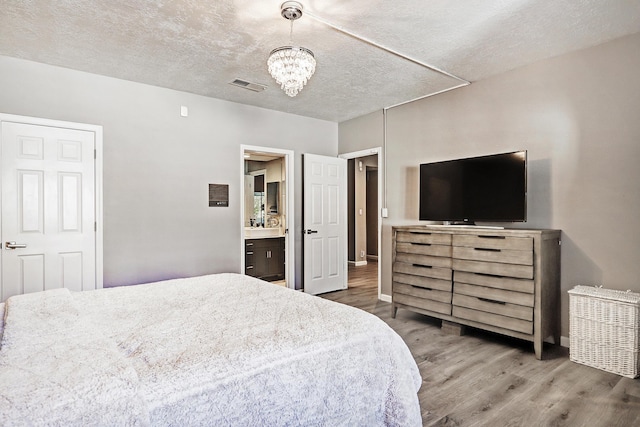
<point>222,349</point>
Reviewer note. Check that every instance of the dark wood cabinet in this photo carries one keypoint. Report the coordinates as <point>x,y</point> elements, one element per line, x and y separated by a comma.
<point>264,258</point>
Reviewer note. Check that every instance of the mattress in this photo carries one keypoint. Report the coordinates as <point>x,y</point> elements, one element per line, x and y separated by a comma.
<point>222,349</point>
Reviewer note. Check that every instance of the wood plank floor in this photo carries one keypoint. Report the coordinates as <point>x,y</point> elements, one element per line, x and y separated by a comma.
<point>483,379</point>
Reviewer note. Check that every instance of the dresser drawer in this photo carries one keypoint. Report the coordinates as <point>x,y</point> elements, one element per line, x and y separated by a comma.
<point>426,237</point>
<point>424,249</point>
<point>423,260</point>
<point>507,283</point>
<point>493,307</point>
<point>493,255</point>
<point>493,242</point>
<point>492,319</point>
<point>423,282</point>
<point>494,268</point>
<point>423,270</point>
<point>422,303</point>
<point>421,292</point>
<point>496,295</point>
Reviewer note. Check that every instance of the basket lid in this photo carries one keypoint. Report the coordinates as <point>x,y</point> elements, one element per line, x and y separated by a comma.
<point>610,294</point>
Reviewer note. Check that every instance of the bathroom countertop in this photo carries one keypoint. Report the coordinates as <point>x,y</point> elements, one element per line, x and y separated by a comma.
<point>262,233</point>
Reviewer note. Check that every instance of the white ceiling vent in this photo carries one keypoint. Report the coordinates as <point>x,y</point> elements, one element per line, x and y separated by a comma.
<point>248,85</point>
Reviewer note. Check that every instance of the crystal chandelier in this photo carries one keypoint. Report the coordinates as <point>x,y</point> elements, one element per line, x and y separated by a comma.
<point>291,66</point>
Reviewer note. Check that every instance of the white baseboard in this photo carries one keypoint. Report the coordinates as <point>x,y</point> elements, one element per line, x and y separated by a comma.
<point>372,257</point>
<point>385,298</point>
<point>358,263</point>
<point>564,342</point>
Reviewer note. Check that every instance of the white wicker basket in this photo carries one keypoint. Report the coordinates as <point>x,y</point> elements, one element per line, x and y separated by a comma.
<point>604,329</point>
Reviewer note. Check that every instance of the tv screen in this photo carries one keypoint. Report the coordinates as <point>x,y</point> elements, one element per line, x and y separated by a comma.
<point>488,188</point>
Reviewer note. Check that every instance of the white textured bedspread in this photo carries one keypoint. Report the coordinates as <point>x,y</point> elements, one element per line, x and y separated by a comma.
<point>214,350</point>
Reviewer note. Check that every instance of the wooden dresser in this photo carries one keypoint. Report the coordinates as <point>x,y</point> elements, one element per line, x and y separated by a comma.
<point>501,280</point>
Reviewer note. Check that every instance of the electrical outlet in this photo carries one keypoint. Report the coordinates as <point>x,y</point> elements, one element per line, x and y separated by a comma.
<point>361,254</point>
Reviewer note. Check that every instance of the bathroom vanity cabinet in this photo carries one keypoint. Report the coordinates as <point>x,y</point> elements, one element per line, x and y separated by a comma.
<point>264,258</point>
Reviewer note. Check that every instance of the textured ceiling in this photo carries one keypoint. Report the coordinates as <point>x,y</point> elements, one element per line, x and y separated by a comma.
<point>200,46</point>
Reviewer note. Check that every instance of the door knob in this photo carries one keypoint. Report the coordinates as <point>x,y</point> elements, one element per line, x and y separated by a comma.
<point>311,231</point>
<point>14,245</point>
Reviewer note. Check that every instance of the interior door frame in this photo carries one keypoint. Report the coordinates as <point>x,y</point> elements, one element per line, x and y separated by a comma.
<point>97,191</point>
<point>364,153</point>
<point>290,256</point>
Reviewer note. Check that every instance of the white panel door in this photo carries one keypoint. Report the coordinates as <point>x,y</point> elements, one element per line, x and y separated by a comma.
<point>48,209</point>
<point>325,224</point>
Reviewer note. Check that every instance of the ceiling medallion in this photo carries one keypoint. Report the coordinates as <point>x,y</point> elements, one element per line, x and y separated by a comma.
<point>291,66</point>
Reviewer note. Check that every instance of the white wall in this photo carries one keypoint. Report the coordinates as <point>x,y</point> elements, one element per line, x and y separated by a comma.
<point>157,165</point>
<point>577,115</point>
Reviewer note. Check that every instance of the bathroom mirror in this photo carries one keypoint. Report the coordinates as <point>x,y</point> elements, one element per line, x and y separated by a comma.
<point>258,201</point>
<point>272,198</point>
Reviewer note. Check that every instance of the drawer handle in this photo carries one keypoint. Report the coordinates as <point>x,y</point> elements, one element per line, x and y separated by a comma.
<point>422,266</point>
<point>421,244</point>
<point>491,237</point>
<point>488,249</point>
<point>420,232</point>
<point>488,275</point>
<point>249,244</point>
<point>420,287</point>
<point>249,252</point>
<point>492,301</point>
<point>249,267</point>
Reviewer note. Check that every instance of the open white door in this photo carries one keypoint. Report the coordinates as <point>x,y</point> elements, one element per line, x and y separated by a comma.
<point>325,224</point>
<point>49,209</point>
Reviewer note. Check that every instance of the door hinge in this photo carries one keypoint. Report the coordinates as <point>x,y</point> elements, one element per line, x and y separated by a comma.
<point>95,154</point>
<point>95,226</point>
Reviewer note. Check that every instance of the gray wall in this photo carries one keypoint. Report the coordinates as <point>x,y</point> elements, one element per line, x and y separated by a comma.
<point>577,115</point>
<point>157,165</point>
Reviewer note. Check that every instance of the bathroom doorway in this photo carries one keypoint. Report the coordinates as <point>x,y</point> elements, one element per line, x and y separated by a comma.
<point>268,214</point>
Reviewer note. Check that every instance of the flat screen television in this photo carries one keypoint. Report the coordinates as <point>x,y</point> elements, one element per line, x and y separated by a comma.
<point>489,188</point>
